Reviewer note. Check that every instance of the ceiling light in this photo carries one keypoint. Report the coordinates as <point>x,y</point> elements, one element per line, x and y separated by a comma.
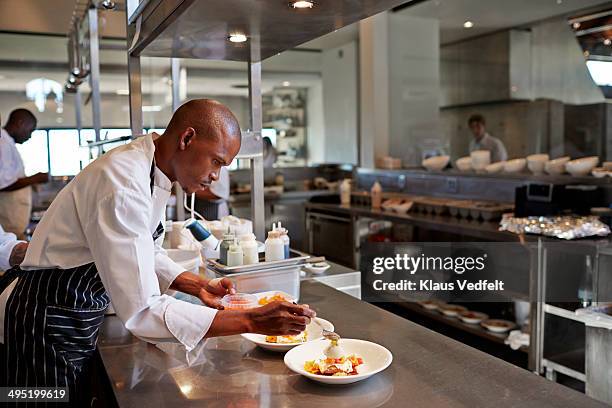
<point>286,83</point>
<point>607,41</point>
<point>302,4</point>
<point>468,24</point>
<point>237,38</point>
<point>151,108</point>
<point>122,92</point>
<point>576,25</point>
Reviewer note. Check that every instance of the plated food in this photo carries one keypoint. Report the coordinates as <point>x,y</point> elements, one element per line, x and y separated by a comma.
<point>498,325</point>
<point>452,310</point>
<point>429,304</point>
<point>470,317</point>
<point>269,297</point>
<point>359,360</point>
<point>282,344</point>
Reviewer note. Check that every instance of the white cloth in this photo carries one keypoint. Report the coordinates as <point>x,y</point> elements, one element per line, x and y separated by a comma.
<point>492,144</point>
<point>221,188</point>
<point>7,243</point>
<point>107,215</point>
<point>11,165</point>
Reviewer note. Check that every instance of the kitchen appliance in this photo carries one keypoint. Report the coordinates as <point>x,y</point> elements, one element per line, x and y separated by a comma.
<point>536,199</point>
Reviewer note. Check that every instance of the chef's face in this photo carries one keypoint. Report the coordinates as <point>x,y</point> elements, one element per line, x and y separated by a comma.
<point>478,129</point>
<point>23,132</point>
<point>199,159</point>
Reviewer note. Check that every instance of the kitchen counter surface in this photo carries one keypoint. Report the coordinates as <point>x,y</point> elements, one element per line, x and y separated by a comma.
<point>429,369</point>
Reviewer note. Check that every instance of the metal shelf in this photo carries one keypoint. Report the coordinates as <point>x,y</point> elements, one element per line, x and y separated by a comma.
<point>570,363</point>
<point>566,314</point>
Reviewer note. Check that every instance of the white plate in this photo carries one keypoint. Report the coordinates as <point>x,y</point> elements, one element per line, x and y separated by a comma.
<point>375,359</point>
<point>474,318</point>
<point>453,311</point>
<point>313,268</point>
<point>313,330</point>
<point>498,329</point>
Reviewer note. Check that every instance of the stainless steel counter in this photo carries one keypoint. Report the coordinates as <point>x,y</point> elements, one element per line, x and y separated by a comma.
<point>429,369</point>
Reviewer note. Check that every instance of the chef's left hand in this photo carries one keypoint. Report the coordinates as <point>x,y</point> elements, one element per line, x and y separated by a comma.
<point>213,290</point>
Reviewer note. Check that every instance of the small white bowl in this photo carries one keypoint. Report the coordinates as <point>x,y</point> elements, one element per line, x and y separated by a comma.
<point>515,165</point>
<point>375,357</point>
<point>317,268</point>
<point>470,317</point>
<point>480,159</point>
<point>600,172</point>
<point>494,168</point>
<point>582,166</point>
<point>556,166</point>
<point>607,165</point>
<point>464,163</point>
<point>436,163</point>
<point>536,163</point>
<point>498,325</point>
<point>313,332</point>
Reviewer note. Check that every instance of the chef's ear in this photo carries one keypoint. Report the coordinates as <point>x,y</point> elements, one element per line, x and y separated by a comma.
<point>186,138</point>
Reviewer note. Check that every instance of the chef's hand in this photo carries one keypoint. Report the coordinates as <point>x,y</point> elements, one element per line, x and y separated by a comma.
<point>213,290</point>
<point>280,318</point>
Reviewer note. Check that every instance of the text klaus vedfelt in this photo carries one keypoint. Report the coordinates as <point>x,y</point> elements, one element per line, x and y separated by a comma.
<point>413,264</point>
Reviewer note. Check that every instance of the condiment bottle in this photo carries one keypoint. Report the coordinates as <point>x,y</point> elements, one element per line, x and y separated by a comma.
<point>275,250</point>
<point>250,255</point>
<point>228,238</point>
<point>376,195</point>
<point>284,236</point>
<point>234,254</point>
<point>345,192</point>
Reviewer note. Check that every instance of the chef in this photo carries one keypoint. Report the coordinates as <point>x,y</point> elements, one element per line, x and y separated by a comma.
<point>15,187</point>
<point>101,239</point>
<point>484,141</point>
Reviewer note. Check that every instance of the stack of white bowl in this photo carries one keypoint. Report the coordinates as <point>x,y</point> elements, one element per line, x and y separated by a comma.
<point>435,163</point>
<point>480,159</point>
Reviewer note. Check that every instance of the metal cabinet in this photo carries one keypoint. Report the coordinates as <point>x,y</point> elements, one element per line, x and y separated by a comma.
<point>332,236</point>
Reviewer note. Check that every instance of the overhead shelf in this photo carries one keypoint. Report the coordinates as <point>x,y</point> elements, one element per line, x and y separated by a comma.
<point>200,29</point>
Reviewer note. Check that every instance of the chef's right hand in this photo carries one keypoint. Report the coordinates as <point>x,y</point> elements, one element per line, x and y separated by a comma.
<point>280,318</point>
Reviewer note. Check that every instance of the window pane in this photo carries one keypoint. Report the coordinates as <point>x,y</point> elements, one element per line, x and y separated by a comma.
<point>65,152</point>
<point>34,153</point>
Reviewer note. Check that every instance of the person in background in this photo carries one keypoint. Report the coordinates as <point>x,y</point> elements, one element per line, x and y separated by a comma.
<point>212,202</point>
<point>269,153</point>
<point>484,141</point>
<point>15,187</point>
<point>12,250</point>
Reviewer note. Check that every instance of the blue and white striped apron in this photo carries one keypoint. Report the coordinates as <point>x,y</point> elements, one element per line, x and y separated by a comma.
<point>51,324</point>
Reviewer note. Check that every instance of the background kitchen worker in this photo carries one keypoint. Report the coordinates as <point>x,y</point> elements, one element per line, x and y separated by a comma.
<point>484,141</point>
<point>101,239</point>
<point>15,187</point>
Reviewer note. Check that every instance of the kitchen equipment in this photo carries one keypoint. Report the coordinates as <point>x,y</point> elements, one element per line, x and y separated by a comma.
<point>464,163</point>
<point>581,167</point>
<point>275,249</point>
<point>235,255</point>
<point>552,199</point>
<point>536,163</point>
<point>286,279</point>
<point>228,239</point>
<point>556,166</point>
<point>375,357</point>
<point>495,168</point>
<point>480,159</point>
<point>515,165</point>
<point>436,163</point>
<point>250,251</point>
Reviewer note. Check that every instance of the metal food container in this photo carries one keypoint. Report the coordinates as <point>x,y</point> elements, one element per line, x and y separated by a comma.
<point>285,279</point>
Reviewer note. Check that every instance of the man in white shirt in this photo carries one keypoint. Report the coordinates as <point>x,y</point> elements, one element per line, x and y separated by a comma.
<point>484,141</point>
<point>101,238</point>
<point>15,187</point>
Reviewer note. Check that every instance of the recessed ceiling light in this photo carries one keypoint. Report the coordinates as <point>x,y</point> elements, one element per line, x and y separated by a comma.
<point>607,41</point>
<point>468,24</point>
<point>122,92</point>
<point>286,83</point>
<point>302,4</point>
<point>237,38</point>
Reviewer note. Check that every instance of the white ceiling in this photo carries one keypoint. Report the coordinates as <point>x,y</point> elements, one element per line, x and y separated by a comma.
<point>492,15</point>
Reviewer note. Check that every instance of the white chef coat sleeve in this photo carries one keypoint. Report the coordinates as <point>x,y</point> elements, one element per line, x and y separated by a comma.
<point>7,243</point>
<point>123,250</point>
<point>166,269</point>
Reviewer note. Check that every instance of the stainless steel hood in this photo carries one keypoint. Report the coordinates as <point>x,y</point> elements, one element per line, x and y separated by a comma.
<point>200,29</point>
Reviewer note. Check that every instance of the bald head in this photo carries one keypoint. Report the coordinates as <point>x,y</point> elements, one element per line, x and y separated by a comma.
<point>20,125</point>
<point>202,136</point>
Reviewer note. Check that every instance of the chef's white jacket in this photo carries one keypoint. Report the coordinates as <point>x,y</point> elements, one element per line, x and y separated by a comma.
<point>8,241</point>
<point>107,215</point>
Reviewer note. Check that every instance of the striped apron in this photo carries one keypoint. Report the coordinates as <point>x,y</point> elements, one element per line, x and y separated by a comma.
<point>51,325</point>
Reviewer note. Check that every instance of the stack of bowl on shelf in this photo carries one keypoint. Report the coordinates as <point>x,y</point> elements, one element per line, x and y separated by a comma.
<point>468,316</point>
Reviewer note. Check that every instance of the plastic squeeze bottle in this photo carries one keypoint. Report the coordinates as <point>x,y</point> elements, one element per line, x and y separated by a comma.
<point>275,250</point>
<point>228,238</point>
<point>250,254</point>
<point>376,195</point>
<point>234,254</point>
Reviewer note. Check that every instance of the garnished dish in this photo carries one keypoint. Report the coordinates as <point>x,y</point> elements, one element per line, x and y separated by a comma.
<point>470,317</point>
<point>452,310</point>
<point>332,365</point>
<point>429,304</point>
<point>498,325</point>
<point>298,338</point>
<point>276,297</point>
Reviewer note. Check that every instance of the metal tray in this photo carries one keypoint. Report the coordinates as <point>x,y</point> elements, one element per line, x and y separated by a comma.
<point>296,259</point>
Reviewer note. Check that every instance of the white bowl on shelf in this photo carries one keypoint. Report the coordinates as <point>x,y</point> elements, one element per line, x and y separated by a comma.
<point>536,163</point>
<point>607,165</point>
<point>556,166</point>
<point>515,165</point>
<point>436,163</point>
<point>375,357</point>
<point>600,172</point>
<point>464,163</point>
<point>494,168</point>
<point>480,159</point>
<point>581,167</point>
